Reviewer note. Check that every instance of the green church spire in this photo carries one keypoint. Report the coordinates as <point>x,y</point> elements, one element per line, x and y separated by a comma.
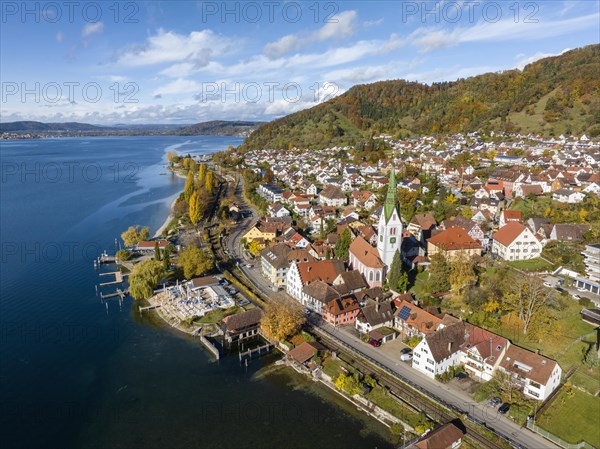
<point>390,199</point>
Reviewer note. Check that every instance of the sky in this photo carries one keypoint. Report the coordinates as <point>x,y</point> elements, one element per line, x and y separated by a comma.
<point>193,61</point>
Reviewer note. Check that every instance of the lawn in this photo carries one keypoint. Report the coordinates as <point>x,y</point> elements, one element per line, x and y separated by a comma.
<point>571,417</point>
<point>395,407</point>
<point>535,265</point>
<point>586,379</point>
<point>563,346</point>
<point>218,315</point>
<point>333,367</point>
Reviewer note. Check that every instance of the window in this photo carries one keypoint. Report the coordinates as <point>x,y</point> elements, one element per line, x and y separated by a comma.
<point>371,275</point>
<point>378,276</point>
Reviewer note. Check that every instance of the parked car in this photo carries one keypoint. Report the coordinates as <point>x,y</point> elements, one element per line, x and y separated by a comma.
<point>548,284</point>
<point>581,289</point>
<point>406,357</point>
<point>248,265</point>
<point>244,302</point>
<point>559,289</point>
<point>495,401</point>
<point>461,376</point>
<point>504,408</point>
<point>374,343</point>
<point>576,296</point>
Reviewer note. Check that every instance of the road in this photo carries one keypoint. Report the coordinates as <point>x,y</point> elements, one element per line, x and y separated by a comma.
<point>444,392</point>
<point>403,371</point>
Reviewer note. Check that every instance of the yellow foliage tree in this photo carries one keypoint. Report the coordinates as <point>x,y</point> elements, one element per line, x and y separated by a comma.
<point>282,319</point>
<point>189,186</point>
<point>201,172</point>
<point>195,208</point>
<point>255,247</point>
<point>209,182</point>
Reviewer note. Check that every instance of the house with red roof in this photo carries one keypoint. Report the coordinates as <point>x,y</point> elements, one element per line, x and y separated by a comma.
<point>515,241</point>
<point>453,243</point>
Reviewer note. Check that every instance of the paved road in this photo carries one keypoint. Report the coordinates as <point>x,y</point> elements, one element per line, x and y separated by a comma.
<point>446,393</point>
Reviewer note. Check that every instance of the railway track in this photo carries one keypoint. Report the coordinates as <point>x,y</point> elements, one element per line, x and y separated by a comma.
<point>412,395</point>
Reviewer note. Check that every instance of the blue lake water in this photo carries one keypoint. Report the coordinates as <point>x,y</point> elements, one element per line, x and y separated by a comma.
<point>75,372</point>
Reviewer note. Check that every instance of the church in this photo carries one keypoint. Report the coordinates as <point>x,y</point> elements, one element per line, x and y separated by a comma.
<point>389,238</point>
<point>374,263</point>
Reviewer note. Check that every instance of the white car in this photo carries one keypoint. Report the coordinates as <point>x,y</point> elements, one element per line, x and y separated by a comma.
<point>577,297</point>
<point>407,357</point>
<point>582,290</point>
<point>548,284</point>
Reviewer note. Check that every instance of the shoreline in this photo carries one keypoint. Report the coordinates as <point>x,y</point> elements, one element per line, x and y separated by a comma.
<point>171,215</point>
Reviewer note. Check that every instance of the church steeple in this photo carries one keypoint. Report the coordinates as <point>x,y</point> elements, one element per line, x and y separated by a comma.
<point>390,199</point>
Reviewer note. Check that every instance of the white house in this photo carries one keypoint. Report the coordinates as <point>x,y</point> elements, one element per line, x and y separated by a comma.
<point>568,196</point>
<point>516,242</point>
<point>536,375</point>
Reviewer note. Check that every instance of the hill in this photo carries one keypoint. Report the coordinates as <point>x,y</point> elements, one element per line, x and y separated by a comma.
<point>218,128</point>
<point>28,126</point>
<point>555,95</point>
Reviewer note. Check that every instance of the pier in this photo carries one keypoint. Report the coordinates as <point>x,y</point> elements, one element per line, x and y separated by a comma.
<point>150,307</point>
<point>259,350</point>
<point>119,278</point>
<point>120,293</point>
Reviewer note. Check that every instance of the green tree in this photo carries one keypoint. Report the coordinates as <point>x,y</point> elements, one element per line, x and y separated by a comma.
<point>195,262</point>
<point>439,274</point>
<point>166,258</point>
<point>188,189</point>
<point>135,234</point>
<point>341,247</point>
<point>122,255</point>
<point>195,208</point>
<point>395,272</point>
<point>156,251</point>
<point>144,278</point>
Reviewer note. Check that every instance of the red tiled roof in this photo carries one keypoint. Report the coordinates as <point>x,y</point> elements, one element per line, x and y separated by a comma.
<point>454,239</point>
<point>365,253</point>
<point>509,232</point>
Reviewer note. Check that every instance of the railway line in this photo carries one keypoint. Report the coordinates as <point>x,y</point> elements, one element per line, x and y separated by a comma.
<point>412,395</point>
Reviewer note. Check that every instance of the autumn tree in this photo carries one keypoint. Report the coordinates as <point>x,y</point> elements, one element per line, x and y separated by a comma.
<point>172,158</point>
<point>343,244</point>
<point>144,278</point>
<point>135,234</point>
<point>195,262</point>
<point>439,274</point>
<point>195,208</point>
<point>188,189</point>
<point>462,274</point>
<point>201,172</point>
<point>527,297</point>
<point>209,181</point>
<point>255,247</point>
<point>282,319</point>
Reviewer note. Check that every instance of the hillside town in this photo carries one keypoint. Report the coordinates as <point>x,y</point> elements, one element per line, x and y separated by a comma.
<point>402,251</point>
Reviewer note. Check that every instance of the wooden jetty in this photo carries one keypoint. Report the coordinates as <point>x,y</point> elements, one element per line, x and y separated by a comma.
<point>120,293</point>
<point>258,350</point>
<point>150,307</point>
<point>119,277</point>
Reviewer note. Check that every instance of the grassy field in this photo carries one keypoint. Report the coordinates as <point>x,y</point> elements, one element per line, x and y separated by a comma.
<point>535,265</point>
<point>563,345</point>
<point>392,405</point>
<point>571,417</point>
<point>217,315</point>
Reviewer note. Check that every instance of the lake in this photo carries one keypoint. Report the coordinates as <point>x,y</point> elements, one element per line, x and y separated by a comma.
<point>77,372</point>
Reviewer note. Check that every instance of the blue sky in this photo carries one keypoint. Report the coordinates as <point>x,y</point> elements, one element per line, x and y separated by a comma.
<point>186,62</point>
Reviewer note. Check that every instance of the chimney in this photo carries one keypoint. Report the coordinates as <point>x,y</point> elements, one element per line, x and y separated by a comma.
<point>308,269</point>
<point>377,306</point>
<point>449,346</point>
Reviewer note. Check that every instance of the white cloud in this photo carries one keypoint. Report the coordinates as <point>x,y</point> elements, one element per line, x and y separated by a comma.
<point>523,60</point>
<point>60,37</point>
<point>196,48</point>
<point>342,26</point>
<point>370,23</point>
<point>428,39</point>
<point>92,28</point>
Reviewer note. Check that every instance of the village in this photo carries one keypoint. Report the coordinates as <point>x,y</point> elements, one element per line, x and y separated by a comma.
<point>465,261</point>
